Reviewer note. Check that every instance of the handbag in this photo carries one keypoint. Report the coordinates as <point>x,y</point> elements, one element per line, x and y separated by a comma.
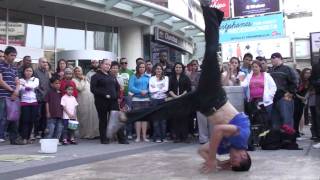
<point>13,109</point>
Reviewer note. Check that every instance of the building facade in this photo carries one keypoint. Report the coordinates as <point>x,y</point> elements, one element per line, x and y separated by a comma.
<point>79,31</point>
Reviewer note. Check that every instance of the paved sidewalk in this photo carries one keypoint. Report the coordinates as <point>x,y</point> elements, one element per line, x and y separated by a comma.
<point>90,160</point>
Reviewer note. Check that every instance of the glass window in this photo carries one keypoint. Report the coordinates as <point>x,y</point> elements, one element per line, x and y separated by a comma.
<point>24,29</point>
<point>70,35</point>
<point>3,26</point>
<point>48,36</point>
<point>115,40</point>
<point>99,37</point>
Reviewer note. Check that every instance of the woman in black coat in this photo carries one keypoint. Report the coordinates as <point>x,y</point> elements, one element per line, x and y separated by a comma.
<point>179,85</point>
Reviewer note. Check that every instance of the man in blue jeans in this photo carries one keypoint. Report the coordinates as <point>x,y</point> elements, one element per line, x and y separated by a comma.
<point>287,81</point>
<point>231,128</point>
<point>9,89</point>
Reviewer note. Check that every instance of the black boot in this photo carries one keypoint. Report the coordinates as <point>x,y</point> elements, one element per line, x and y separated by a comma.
<point>122,139</point>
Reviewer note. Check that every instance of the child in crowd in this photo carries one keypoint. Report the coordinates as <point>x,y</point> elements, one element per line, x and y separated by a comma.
<point>29,104</point>
<point>67,80</point>
<point>54,109</point>
<point>69,104</point>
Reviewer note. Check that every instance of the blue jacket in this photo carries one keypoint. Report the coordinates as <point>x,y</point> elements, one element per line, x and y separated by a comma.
<point>136,85</point>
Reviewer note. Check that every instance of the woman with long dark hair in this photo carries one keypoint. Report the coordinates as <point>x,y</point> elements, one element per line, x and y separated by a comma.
<point>233,75</point>
<point>62,65</point>
<point>29,103</point>
<point>300,98</point>
<point>179,85</point>
<point>139,86</point>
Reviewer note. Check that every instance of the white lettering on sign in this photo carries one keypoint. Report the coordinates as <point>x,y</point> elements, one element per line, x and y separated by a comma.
<point>169,37</point>
<point>217,4</point>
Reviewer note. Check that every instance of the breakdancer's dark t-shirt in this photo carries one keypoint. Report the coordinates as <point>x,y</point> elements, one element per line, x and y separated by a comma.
<point>240,141</point>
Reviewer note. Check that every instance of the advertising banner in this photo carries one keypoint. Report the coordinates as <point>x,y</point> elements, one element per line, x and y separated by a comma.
<point>302,48</point>
<point>245,29</point>
<point>251,7</point>
<point>262,48</point>
<point>223,5</point>
<point>16,31</point>
<point>315,47</point>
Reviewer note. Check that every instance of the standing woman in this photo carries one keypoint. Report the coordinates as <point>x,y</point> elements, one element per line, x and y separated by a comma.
<point>233,75</point>
<point>139,86</point>
<point>300,98</point>
<point>158,87</point>
<point>179,85</point>
<point>29,104</point>
<point>260,87</point>
<point>87,113</point>
<point>62,65</point>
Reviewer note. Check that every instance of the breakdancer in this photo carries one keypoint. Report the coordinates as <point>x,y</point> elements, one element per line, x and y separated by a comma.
<point>231,128</point>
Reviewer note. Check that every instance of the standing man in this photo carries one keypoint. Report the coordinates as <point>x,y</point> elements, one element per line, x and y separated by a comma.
<point>287,81</point>
<point>26,61</point>
<point>149,67</point>
<point>246,66</point>
<point>264,63</point>
<point>167,66</point>
<point>125,75</point>
<point>9,88</point>
<point>94,69</point>
<point>42,74</point>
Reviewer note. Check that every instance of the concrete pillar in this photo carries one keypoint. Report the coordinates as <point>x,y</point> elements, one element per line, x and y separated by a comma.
<point>131,43</point>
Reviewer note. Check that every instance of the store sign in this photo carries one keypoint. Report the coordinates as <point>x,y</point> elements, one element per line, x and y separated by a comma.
<point>315,47</point>
<point>16,33</point>
<point>173,40</point>
<point>251,7</point>
<point>245,29</point>
<point>223,5</point>
<point>262,48</point>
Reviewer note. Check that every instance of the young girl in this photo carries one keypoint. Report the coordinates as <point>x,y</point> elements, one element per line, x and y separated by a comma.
<point>67,80</point>
<point>69,104</point>
<point>29,104</point>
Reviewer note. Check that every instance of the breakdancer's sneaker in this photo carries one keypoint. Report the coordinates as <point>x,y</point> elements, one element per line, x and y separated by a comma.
<point>116,121</point>
<point>205,3</point>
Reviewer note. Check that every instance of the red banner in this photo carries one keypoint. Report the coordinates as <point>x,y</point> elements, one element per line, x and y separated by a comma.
<point>223,5</point>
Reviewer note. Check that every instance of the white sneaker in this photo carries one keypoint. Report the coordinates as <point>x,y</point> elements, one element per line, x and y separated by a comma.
<point>137,140</point>
<point>158,141</point>
<point>130,137</point>
<point>316,146</point>
<point>146,140</point>
<point>2,140</point>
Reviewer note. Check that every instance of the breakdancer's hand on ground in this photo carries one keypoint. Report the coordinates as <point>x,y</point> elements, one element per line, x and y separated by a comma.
<point>209,166</point>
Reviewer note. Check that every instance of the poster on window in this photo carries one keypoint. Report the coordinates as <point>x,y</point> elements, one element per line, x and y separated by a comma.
<point>223,5</point>
<point>16,32</point>
<point>252,7</point>
<point>315,47</point>
<point>262,48</point>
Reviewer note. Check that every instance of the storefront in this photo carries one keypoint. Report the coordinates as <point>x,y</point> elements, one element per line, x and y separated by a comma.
<point>175,47</point>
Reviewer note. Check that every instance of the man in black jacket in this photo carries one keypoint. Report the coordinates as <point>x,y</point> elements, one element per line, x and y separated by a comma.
<point>105,89</point>
<point>315,82</point>
<point>287,81</point>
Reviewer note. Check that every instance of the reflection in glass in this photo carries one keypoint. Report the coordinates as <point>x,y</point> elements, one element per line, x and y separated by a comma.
<point>48,34</point>
<point>99,37</point>
<point>70,35</point>
<point>3,26</point>
<point>24,29</point>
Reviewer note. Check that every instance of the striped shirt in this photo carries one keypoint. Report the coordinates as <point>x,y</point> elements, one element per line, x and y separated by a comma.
<point>9,75</point>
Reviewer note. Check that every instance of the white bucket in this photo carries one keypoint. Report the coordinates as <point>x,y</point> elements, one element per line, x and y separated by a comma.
<point>49,145</point>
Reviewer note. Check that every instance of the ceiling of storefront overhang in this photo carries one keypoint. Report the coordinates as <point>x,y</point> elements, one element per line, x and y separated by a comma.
<point>109,12</point>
